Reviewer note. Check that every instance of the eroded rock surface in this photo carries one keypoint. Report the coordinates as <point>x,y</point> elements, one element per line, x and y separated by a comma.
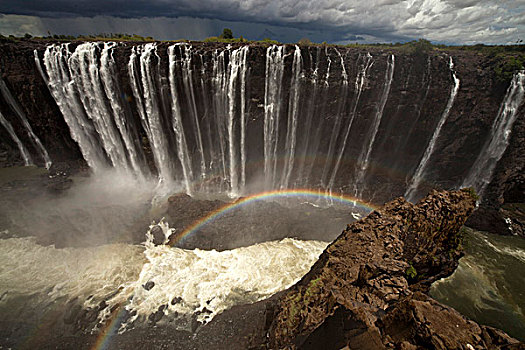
<point>366,289</point>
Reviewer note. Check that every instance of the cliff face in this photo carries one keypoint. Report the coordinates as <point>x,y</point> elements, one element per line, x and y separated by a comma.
<point>20,73</point>
<point>336,124</point>
<point>366,289</point>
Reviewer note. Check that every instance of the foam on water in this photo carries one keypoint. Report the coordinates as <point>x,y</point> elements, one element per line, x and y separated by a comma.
<point>209,282</point>
<point>49,274</point>
<point>200,282</point>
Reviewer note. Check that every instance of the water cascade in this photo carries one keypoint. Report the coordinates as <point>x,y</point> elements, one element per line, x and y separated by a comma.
<point>145,82</point>
<point>120,115</point>
<point>482,169</point>
<point>421,168</point>
<point>21,115</point>
<point>293,110</point>
<point>343,92</point>
<point>203,125</point>
<point>23,150</point>
<point>298,137</point>
<point>362,161</point>
<point>360,82</point>
<point>187,79</point>
<point>305,145</point>
<point>63,88</point>
<point>272,109</point>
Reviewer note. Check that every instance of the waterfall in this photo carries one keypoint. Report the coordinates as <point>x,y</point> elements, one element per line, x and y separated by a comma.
<point>244,72</point>
<point>84,85</point>
<point>272,109</point>
<point>108,75</point>
<point>329,61</point>
<point>21,115</point>
<point>334,136</point>
<point>229,99</point>
<point>364,157</point>
<point>23,150</point>
<point>63,89</point>
<point>481,171</point>
<point>219,83</point>
<point>360,81</point>
<point>182,148</point>
<point>84,70</point>
<point>237,67</point>
<point>420,170</point>
<point>310,110</point>
<point>187,80</point>
<point>293,110</point>
<point>145,82</point>
<point>190,109</point>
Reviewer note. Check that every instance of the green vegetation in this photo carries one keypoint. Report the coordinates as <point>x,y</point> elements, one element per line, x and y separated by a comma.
<point>411,272</point>
<point>506,59</point>
<point>97,37</point>
<point>225,37</point>
<point>472,192</point>
<point>226,34</point>
<point>507,66</point>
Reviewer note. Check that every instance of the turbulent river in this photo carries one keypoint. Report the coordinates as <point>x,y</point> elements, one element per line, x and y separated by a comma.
<point>100,271</point>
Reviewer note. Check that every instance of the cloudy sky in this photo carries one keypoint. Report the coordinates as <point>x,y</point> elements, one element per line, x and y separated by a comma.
<point>335,21</point>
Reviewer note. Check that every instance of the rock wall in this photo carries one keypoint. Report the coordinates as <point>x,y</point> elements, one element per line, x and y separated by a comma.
<point>366,291</point>
<point>418,95</point>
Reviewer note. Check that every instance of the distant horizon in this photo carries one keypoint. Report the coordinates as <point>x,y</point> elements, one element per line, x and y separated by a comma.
<point>132,37</point>
<point>450,22</point>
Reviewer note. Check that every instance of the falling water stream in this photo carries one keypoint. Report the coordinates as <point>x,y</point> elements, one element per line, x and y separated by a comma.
<point>93,243</point>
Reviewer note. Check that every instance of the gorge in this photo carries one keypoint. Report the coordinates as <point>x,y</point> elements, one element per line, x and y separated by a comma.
<point>272,142</point>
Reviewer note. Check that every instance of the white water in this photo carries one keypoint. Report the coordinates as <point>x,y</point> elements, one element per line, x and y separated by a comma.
<point>360,81</point>
<point>219,83</point>
<point>293,111</point>
<point>272,109</point>
<point>201,279</point>
<point>229,100</point>
<point>182,147</point>
<point>84,71</point>
<point>481,172</point>
<point>329,64</point>
<point>113,92</point>
<point>187,80</point>
<point>63,89</point>
<point>23,150</point>
<point>145,80</point>
<point>310,110</point>
<point>421,168</point>
<point>363,160</point>
<point>237,67</point>
<point>334,137</point>
<point>21,115</point>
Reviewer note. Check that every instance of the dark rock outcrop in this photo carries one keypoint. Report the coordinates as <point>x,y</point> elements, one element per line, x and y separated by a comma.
<point>251,223</point>
<point>366,289</point>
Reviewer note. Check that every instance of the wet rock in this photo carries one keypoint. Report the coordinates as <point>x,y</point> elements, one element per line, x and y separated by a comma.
<point>156,316</point>
<point>366,291</point>
<point>148,285</point>
<point>158,235</point>
<point>176,300</point>
<point>507,220</point>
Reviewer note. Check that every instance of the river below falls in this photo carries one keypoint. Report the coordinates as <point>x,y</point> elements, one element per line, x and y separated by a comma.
<point>41,280</point>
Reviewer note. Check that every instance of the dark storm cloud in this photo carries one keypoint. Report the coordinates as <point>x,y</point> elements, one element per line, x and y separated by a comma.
<point>460,21</point>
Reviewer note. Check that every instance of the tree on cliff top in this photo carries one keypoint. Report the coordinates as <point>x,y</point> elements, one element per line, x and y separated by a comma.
<point>226,34</point>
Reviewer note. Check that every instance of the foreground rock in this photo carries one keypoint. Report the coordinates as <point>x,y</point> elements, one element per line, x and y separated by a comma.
<point>366,289</point>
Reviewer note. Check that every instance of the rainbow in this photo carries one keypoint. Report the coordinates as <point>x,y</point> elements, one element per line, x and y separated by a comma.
<point>110,328</point>
<point>193,228</point>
